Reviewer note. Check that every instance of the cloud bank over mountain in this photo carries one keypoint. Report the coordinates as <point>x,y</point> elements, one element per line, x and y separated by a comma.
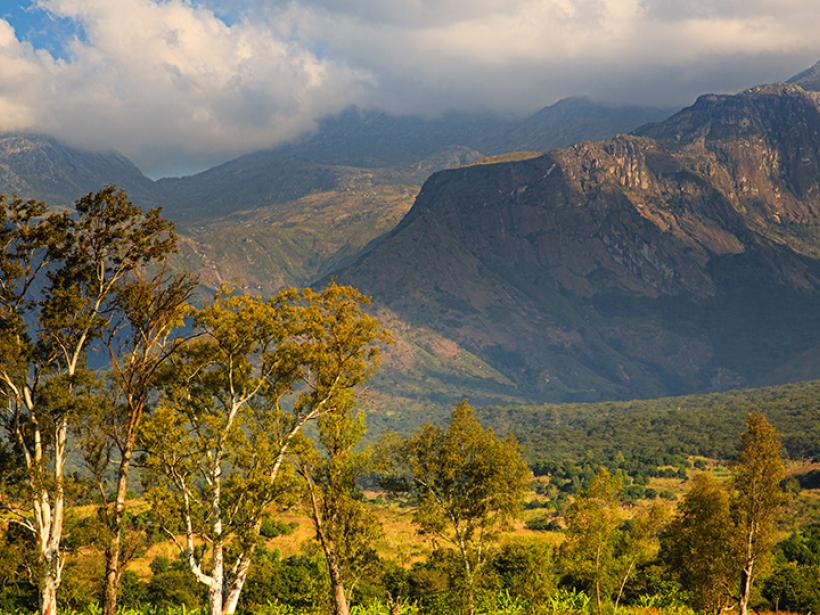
<point>178,85</point>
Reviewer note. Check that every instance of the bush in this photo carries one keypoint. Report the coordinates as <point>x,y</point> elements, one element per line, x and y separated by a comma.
<point>542,523</point>
<point>173,584</point>
<point>793,587</point>
<point>523,570</point>
<point>271,528</point>
<point>298,581</point>
<point>133,591</point>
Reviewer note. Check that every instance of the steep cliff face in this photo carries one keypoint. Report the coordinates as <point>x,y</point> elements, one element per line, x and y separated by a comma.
<point>760,149</point>
<point>677,259</point>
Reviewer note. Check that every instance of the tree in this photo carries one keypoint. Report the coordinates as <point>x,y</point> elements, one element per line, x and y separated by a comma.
<point>146,311</point>
<point>345,528</point>
<point>58,275</point>
<point>639,543</point>
<point>697,545</point>
<point>235,403</point>
<point>465,484</point>
<point>758,499</point>
<point>592,535</point>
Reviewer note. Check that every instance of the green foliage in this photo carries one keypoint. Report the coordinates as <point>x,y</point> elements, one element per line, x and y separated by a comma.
<point>602,550</point>
<point>296,581</point>
<point>568,601</point>
<point>464,484</point>
<point>523,570</point>
<point>271,527</point>
<point>801,547</point>
<point>569,440</point>
<point>592,536</point>
<point>345,526</point>
<point>793,582</point>
<point>758,502</point>
<point>697,545</point>
<point>792,587</point>
<point>19,591</point>
<point>380,608</point>
<point>59,279</point>
<point>236,402</point>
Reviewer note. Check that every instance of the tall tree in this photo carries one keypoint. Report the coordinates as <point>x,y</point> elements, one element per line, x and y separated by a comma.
<point>697,545</point>
<point>147,309</point>
<point>758,501</point>
<point>593,533</point>
<point>639,544</point>
<point>345,528</point>
<point>465,484</point>
<point>58,273</point>
<point>236,402</point>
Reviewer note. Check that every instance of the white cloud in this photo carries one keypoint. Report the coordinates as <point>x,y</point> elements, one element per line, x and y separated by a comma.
<point>169,83</point>
<point>518,54</point>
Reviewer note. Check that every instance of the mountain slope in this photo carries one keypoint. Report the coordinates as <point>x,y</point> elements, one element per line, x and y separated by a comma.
<point>662,262</point>
<point>412,146</point>
<point>571,121</point>
<point>809,79</point>
<point>36,166</point>
<point>289,215</point>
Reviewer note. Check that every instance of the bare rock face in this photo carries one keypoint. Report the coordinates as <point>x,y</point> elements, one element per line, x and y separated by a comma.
<point>758,148</point>
<point>680,258</point>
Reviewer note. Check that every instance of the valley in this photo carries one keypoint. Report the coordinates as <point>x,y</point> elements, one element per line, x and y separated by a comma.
<point>639,265</point>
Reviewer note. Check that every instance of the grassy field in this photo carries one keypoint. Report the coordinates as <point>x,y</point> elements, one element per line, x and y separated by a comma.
<point>401,542</point>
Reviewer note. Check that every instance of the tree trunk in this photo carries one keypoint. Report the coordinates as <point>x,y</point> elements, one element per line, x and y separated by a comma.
<point>114,549</point>
<point>216,588</point>
<point>232,600</point>
<point>340,606</point>
<point>597,596</point>
<point>112,575</point>
<point>50,524</point>
<point>48,591</point>
<point>745,588</point>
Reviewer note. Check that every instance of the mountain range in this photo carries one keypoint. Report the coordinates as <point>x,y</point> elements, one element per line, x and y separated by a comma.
<point>290,214</point>
<point>556,257</point>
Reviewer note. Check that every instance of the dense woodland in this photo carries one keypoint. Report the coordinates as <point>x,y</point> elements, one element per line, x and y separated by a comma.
<point>154,446</point>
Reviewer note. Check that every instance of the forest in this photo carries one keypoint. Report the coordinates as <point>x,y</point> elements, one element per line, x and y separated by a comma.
<point>166,454</point>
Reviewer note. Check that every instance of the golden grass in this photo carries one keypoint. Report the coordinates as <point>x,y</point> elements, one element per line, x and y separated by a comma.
<point>508,157</point>
<point>400,540</point>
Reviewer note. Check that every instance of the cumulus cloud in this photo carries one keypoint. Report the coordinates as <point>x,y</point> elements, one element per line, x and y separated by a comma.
<point>175,82</point>
<point>169,82</point>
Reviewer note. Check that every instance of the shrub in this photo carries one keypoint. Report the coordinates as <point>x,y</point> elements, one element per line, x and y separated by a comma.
<point>542,523</point>
<point>271,528</point>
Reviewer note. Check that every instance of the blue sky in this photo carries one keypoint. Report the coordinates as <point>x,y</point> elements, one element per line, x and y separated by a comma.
<point>182,84</point>
<point>41,28</point>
